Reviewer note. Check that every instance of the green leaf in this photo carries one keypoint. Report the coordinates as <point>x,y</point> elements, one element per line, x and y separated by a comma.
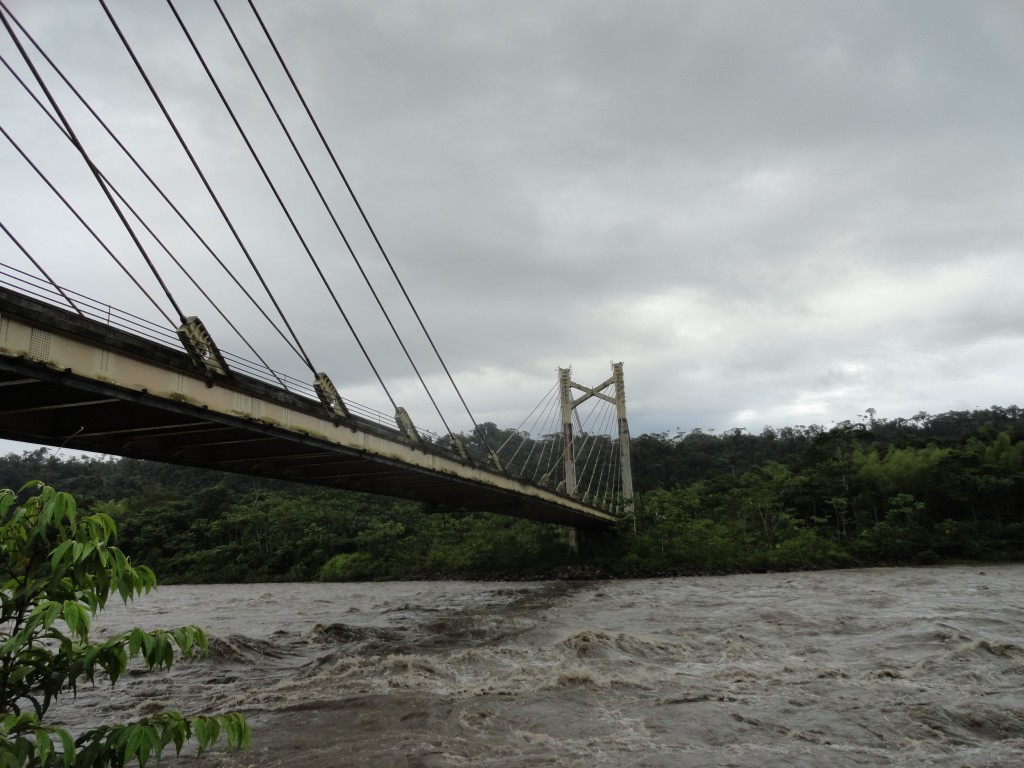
<point>148,643</point>
<point>68,745</point>
<point>71,616</point>
<point>70,508</point>
<point>181,637</point>
<point>53,610</point>
<point>146,745</point>
<point>59,552</point>
<point>135,641</point>
<point>135,733</point>
<point>239,735</point>
<point>43,745</point>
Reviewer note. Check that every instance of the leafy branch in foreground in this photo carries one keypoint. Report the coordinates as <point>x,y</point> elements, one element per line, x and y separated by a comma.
<point>58,570</point>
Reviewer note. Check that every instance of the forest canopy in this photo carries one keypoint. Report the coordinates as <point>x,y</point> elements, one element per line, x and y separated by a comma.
<point>923,489</point>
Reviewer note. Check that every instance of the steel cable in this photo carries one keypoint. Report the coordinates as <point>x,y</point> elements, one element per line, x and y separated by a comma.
<point>151,233</point>
<point>39,266</point>
<point>586,449</point>
<point>518,430</point>
<point>330,213</point>
<point>362,213</point>
<point>4,12</point>
<point>277,195</point>
<point>181,216</point>
<point>85,224</point>
<point>206,183</point>
<point>603,431</point>
<point>548,422</point>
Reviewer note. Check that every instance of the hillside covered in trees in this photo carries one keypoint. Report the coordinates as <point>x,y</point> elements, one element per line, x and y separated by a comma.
<point>926,489</point>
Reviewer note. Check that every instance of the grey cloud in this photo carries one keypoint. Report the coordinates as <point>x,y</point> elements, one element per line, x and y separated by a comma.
<point>773,212</point>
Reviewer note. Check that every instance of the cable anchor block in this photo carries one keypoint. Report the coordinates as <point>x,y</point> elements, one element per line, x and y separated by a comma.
<point>329,396</point>
<point>460,447</point>
<point>405,424</point>
<point>201,347</point>
<point>496,461</point>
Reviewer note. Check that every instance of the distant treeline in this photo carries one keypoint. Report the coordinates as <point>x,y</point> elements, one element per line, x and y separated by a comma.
<point>926,489</point>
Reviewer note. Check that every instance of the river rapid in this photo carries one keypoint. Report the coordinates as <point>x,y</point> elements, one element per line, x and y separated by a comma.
<point>874,667</point>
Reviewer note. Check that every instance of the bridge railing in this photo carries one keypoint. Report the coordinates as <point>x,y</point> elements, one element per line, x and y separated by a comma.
<point>43,290</point>
<point>38,288</point>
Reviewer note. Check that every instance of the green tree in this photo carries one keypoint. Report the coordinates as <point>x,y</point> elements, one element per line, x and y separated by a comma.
<point>59,568</point>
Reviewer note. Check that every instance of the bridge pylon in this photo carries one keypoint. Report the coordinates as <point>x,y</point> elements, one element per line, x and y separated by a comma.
<point>617,397</point>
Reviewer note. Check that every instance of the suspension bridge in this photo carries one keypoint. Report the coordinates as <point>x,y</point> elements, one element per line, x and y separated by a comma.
<point>78,372</point>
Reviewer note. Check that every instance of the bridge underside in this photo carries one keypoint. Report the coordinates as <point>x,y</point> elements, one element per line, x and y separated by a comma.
<point>159,407</point>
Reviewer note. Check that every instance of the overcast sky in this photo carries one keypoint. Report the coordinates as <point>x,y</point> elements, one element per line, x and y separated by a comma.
<point>774,213</point>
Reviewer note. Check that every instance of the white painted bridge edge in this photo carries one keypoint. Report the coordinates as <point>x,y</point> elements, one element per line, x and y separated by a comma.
<point>64,353</point>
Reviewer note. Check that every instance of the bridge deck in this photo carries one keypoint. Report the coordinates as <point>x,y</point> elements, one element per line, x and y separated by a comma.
<point>69,380</point>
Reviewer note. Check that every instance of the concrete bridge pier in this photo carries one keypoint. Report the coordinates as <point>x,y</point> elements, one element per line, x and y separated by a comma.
<point>575,534</point>
<point>583,541</point>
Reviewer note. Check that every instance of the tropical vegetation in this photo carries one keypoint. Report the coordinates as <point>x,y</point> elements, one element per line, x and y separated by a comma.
<point>918,490</point>
<point>59,569</point>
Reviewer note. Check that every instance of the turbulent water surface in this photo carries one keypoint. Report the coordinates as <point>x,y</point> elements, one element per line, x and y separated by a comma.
<point>907,667</point>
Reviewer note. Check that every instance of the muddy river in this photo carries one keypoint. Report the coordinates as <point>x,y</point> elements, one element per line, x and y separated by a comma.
<point>879,667</point>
